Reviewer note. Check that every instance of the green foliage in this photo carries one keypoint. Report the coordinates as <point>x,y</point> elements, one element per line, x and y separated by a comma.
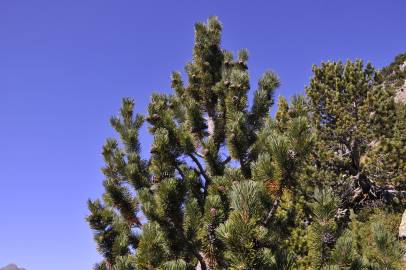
<point>323,231</point>
<point>226,186</point>
<point>386,161</point>
<point>359,150</point>
<point>395,73</point>
<point>374,232</point>
<point>153,249</point>
<point>338,96</point>
<point>248,249</point>
<point>385,252</point>
<point>345,255</point>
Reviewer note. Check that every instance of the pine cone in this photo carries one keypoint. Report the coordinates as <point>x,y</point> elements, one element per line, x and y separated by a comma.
<point>195,129</point>
<point>327,238</point>
<point>243,64</point>
<point>221,188</point>
<point>154,117</point>
<point>205,152</point>
<point>272,186</point>
<point>292,111</point>
<point>154,150</point>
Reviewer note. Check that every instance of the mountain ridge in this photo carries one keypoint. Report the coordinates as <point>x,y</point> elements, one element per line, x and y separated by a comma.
<point>11,266</point>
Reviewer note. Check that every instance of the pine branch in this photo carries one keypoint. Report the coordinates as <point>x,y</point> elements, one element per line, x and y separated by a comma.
<point>200,258</point>
<point>227,160</point>
<point>201,171</point>
<point>275,205</point>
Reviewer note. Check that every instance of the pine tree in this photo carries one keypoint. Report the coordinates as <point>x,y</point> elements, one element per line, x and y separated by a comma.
<point>352,112</point>
<point>218,175</point>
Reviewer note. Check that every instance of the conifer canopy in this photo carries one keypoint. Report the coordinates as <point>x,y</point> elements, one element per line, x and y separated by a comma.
<point>228,186</point>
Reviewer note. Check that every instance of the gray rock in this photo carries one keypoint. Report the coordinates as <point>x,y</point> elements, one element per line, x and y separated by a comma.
<point>401,94</point>
<point>402,227</point>
<point>401,91</point>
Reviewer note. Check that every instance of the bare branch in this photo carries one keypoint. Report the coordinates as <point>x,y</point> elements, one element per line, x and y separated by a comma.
<point>199,155</point>
<point>227,160</point>
<point>201,169</point>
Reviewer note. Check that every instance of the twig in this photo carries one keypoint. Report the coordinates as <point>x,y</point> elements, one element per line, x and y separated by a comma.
<point>180,171</point>
<point>274,206</point>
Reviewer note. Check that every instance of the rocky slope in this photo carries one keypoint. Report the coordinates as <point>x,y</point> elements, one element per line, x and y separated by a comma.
<point>401,94</point>
<point>395,76</point>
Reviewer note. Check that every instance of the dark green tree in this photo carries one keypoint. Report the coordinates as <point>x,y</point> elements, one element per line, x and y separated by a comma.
<point>219,172</point>
<point>352,112</point>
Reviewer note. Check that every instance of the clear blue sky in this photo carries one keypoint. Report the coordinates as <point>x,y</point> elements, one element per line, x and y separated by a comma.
<point>65,65</point>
